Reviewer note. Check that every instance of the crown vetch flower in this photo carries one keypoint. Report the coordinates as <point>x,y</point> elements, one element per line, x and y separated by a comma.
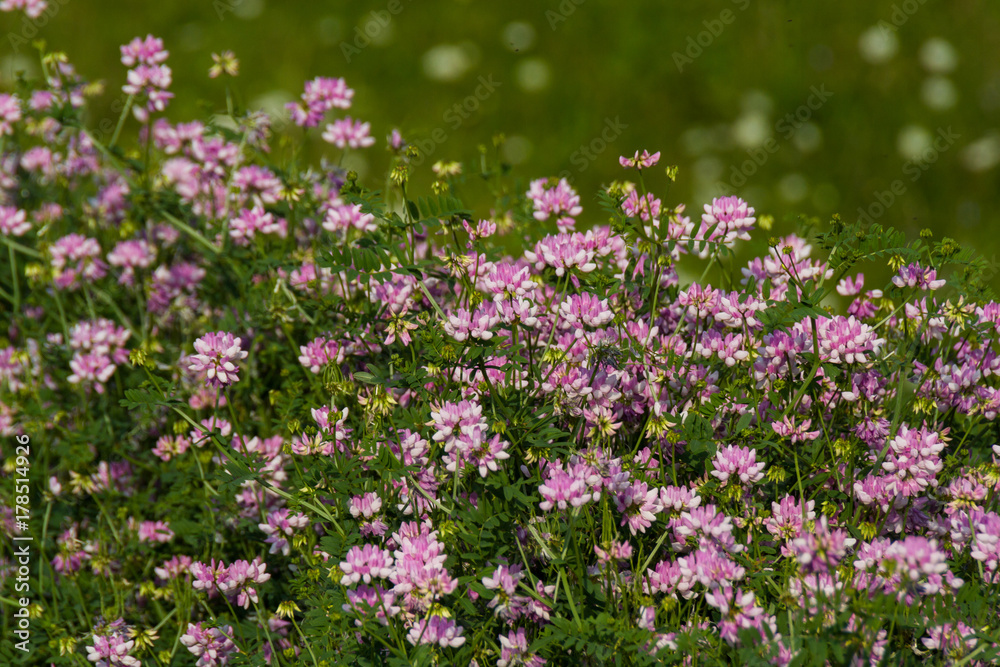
<point>436,630</point>
<point>212,646</point>
<point>13,220</point>
<point>216,355</point>
<point>366,562</point>
<point>638,161</point>
<point>348,133</point>
<point>740,462</point>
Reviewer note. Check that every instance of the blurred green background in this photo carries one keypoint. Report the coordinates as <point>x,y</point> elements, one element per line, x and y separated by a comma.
<point>869,88</point>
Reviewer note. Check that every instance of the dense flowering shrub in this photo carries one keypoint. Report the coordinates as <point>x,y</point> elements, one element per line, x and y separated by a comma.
<point>278,418</point>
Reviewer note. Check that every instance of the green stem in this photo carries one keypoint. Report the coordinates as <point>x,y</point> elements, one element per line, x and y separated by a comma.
<point>121,120</point>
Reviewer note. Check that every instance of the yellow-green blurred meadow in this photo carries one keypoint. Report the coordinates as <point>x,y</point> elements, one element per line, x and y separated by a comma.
<point>889,109</point>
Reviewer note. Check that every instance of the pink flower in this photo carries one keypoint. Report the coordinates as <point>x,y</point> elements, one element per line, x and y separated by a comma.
<point>514,651</point>
<point>849,287</point>
<point>561,252</point>
<point>319,353</point>
<point>822,549</point>
<point>646,207</point>
<point>112,650</point>
<point>914,275</point>
<point>789,429</point>
<point>365,563</point>
<point>169,446</point>
<point>281,525</point>
<point>556,200</point>
<point>211,646</point>
<point>740,462</point>
<point>845,339</point>
<point>10,105</point>
<point>724,221</point>
<point>706,527</point>
<point>244,227</point>
<point>321,94</point>
<point>348,133</point>
<point>148,79</point>
<point>76,259</point>
<point>366,600</point>
<point>437,630</point>
<point>148,51</point>
<point>12,221</point>
<point>131,255</point>
<point>341,217</point>
<point>643,161</point>
<point>563,489</point>
<point>639,504</point>
<point>914,460</point>
<point>216,356</point>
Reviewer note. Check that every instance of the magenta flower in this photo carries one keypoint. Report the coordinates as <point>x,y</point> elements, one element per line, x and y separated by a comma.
<point>131,255</point>
<point>366,600</point>
<point>148,79</point>
<point>822,549</point>
<point>112,651</point>
<point>366,563</point>
<point>638,161</point>
<point>725,220</point>
<point>845,339</point>
<point>216,356</point>
<point>563,489</point>
<point>561,252</point>
<point>796,432</point>
<point>514,651</point>
<point>639,504</point>
<point>10,105</point>
<point>212,646</point>
<point>740,462</point>
<point>320,352</point>
<point>12,221</point>
<point>348,133</point>
<point>321,94</point>
<point>646,207</point>
<point>437,630</point>
<point>76,259</point>
<point>281,525</point>
<point>707,528</point>
<point>913,458</point>
<point>914,275</point>
<point>559,200</point>
<point>849,287</point>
